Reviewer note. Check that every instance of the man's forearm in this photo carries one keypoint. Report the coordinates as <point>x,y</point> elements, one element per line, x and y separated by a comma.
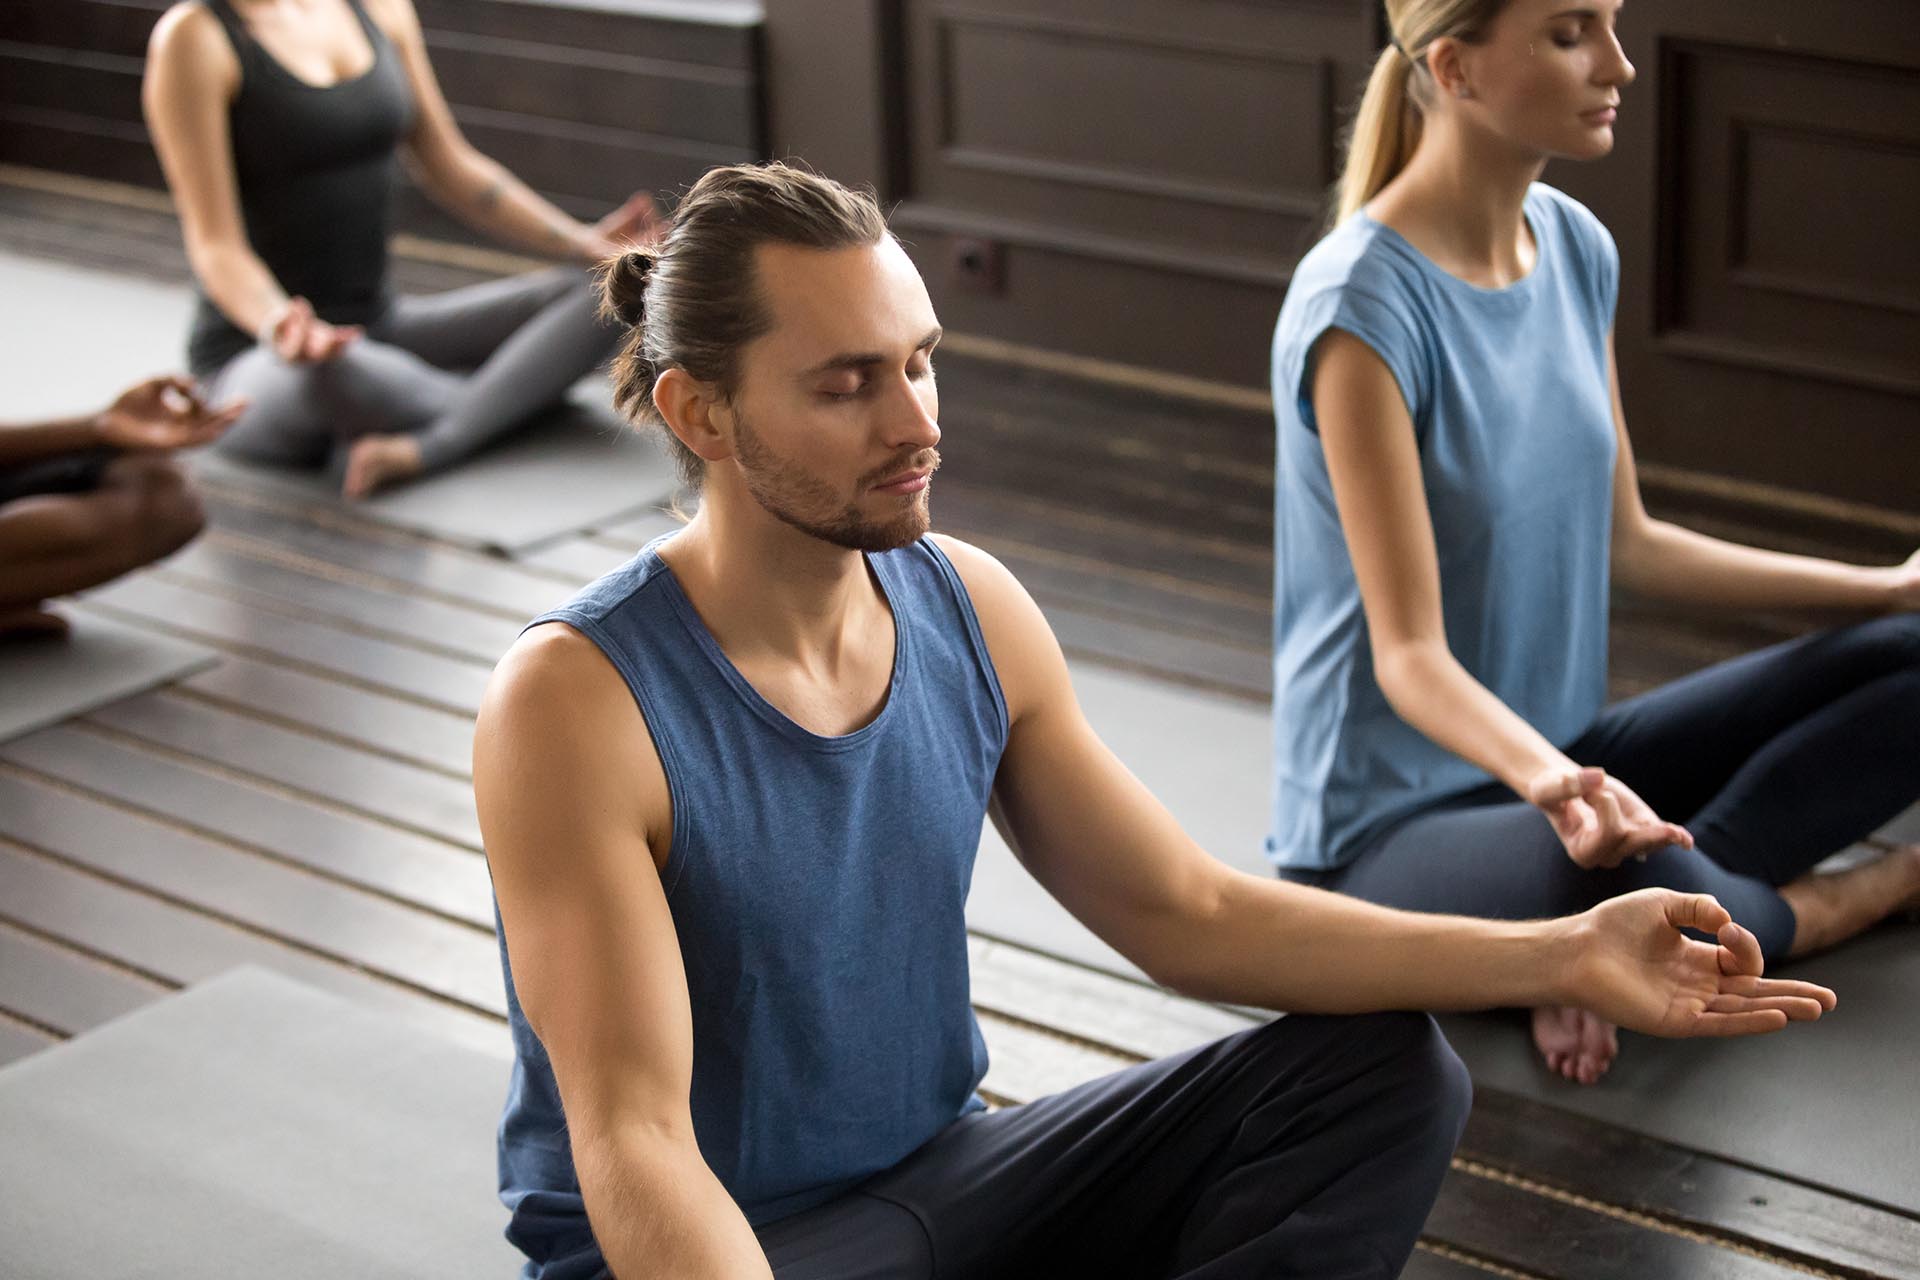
<point>657,1210</point>
<point>1297,949</point>
<point>32,441</point>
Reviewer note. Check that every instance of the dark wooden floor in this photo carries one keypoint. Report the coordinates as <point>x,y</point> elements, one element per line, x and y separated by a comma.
<point>304,804</point>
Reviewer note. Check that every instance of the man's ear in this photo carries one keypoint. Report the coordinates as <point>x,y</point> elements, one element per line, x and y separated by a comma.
<point>695,412</point>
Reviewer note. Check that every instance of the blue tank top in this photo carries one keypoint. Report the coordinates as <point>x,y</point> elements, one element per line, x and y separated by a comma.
<point>1513,416</point>
<point>818,887</point>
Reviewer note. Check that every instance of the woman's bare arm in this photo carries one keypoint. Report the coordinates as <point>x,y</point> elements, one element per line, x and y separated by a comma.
<point>191,77</point>
<point>1667,562</point>
<point>470,185</point>
<point>1374,464</point>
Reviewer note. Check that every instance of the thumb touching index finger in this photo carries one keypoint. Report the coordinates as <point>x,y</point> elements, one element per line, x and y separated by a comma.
<point>1696,911</point>
<point>1740,951</point>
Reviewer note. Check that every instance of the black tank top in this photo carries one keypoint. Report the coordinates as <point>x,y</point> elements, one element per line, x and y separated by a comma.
<point>316,170</point>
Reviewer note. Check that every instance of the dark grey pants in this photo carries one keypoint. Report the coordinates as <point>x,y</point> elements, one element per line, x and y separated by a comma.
<point>1310,1147</point>
<point>454,369</point>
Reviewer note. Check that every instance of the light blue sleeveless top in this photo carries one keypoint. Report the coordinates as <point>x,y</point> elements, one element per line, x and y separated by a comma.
<point>818,887</point>
<point>1512,409</point>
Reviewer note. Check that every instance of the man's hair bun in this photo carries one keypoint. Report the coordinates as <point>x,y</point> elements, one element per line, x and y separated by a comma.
<point>623,285</point>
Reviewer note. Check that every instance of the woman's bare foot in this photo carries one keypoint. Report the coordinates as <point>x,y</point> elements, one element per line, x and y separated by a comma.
<point>375,462</point>
<point>1575,1043</point>
<point>32,623</point>
<point>1830,907</point>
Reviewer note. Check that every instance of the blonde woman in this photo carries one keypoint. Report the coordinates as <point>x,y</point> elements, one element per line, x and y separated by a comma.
<point>1456,498</point>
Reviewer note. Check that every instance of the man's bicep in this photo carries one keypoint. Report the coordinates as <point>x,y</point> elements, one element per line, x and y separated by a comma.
<point>589,935</point>
<point>1071,811</point>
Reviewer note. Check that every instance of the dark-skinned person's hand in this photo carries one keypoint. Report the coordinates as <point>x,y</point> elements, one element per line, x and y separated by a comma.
<point>163,413</point>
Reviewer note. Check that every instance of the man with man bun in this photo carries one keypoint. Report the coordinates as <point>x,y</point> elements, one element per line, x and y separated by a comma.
<point>732,794</point>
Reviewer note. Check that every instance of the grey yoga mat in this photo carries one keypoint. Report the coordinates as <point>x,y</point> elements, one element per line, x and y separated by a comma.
<point>1834,1103</point>
<point>45,681</point>
<point>576,469</point>
<point>252,1126</point>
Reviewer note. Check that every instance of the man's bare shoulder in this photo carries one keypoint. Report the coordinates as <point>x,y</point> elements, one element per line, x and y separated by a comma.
<point>1025,653</point>
<point>555,692</point>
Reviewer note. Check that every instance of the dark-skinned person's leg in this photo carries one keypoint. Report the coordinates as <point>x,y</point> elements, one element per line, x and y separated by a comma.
<point>81,520</point>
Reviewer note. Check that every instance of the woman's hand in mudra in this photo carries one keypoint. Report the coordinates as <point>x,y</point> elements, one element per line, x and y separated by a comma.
<point>1599,819</point>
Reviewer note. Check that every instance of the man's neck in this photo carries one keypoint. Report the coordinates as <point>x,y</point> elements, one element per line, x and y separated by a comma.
<point>769,592</point>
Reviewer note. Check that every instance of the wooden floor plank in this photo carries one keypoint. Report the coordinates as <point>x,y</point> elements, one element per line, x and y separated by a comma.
<point>430,568</point>
<point>640,528</point>
<point>1025,1063</point>
<point>413,869</point>
<point>375,721</point>
<point>182,946</point>
<point>63,990</point>
<point>1428,1265</point>
<point>1583,1157</point>
<point>580,559</point>
<point>1539,1236</point>
<point>18,1040</point>
<point>422,800</point>
<point>469,632</point>
<point>1127,1017</point>
<point>454,685</point>
<point>419,950</point>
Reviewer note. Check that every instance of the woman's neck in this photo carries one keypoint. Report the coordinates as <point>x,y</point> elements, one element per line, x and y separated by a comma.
<point>1461,201</point>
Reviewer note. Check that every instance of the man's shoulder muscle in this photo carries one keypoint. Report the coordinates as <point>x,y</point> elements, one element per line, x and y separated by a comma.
<point>558,723</point>
<point>1025,653</point>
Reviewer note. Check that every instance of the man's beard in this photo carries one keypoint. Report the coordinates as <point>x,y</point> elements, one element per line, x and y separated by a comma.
<point>793,496</point>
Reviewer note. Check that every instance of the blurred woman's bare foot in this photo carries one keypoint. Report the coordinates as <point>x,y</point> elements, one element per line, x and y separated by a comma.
<point>1575,1043</point>
<point>1830,907</point>
<point>32,623</point>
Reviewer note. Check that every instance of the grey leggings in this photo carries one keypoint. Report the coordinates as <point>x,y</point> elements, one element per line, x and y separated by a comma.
<point>454,369</point>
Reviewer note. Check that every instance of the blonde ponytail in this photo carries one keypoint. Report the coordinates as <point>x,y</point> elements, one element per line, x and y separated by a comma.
<point>1384,133</point>
<point>1386,130</point>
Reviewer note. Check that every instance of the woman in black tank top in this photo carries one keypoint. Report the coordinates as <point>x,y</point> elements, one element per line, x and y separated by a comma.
<point>279,125</point>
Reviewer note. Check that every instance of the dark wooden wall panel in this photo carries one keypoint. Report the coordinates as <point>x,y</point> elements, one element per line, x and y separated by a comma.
<point>1148,172</point>
<point>587,101</point>
<point>1764,190</point>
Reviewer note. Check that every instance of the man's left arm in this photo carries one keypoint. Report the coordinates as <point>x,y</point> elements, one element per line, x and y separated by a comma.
<point>1098,840</point>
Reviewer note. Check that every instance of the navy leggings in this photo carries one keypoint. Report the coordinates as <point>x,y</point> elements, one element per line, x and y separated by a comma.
<point>1773,761</point>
